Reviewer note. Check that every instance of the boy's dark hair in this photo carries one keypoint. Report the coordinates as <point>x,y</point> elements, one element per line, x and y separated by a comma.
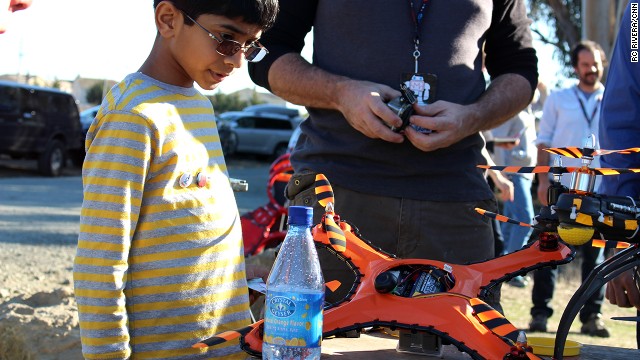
<point>256,12</point>
<point>589,45</point>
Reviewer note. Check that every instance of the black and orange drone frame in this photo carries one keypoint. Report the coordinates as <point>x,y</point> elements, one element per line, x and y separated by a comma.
<point>459,315</point>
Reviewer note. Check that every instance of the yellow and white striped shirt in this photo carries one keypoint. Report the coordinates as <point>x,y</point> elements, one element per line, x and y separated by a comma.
<point>158,267</point>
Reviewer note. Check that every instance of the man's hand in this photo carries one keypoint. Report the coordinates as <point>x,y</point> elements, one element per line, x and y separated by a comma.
<point>504,185</point>
<point>623,291</point>
<point>543,189</point>
<point>363,105</point>
<point>449,122</point>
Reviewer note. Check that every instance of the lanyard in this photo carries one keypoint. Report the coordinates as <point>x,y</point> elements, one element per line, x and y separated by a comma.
<point>584,109</point>
<point>417,20</point>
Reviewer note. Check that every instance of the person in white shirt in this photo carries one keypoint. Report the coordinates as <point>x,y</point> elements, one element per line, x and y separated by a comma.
<point>569,117</point>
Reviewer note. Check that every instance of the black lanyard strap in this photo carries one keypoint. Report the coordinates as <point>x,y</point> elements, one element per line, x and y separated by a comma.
<point>417,19</point>
<point>584,109</point>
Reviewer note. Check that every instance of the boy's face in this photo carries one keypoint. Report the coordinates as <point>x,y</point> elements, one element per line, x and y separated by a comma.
<point>196,51</point>
<point>10,6</point>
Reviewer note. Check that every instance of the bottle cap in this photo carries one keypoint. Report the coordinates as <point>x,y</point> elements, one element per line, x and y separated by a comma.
<point>300,215</point>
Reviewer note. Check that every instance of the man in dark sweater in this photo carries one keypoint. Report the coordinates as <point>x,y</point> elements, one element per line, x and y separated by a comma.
<point>411,193</point>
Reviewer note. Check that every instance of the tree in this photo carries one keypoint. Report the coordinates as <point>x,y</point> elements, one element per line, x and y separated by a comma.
<point>563,23</point>
<point>227,102</point>
<point>94,94</point>
<point>56,83</point>
<point>231,102</point>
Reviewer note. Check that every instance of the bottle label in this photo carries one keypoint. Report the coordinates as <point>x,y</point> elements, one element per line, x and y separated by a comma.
<point>293,319</point>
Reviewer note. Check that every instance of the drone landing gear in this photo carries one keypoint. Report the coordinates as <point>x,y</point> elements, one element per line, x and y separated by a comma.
<point>601,274</point>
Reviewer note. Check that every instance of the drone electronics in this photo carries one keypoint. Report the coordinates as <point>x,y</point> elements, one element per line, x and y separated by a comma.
<point>580,215</point>
<point>581,212</point>
<point>417,295</point>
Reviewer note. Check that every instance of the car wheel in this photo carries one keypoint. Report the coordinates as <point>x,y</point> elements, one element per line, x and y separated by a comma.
<point>229,143</point>
<point>52,160</point>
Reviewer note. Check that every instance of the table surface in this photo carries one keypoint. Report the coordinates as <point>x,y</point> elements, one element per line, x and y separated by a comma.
<point>376,346</point>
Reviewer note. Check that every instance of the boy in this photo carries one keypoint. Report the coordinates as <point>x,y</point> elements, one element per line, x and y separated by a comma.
<point>160,263</point>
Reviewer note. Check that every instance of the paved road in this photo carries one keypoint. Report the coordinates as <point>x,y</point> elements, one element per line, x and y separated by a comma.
<point>43,210</point>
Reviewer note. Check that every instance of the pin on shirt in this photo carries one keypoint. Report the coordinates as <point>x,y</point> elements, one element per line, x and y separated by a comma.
<point>185,180</point>
<point>202,179</point>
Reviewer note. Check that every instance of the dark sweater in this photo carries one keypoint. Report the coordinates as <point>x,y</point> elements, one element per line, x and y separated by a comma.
<point>375,43</point>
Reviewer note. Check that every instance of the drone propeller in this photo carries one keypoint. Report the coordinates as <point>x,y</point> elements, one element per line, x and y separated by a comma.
<point>577,153</point>
<point>225,336</point>
<point>530,169</point>
<point>324,193</point>
<point>574,235</point>
<point>626,318</point>
<point>558,170</point>
<point>501,218</point>
<point>609,244</point>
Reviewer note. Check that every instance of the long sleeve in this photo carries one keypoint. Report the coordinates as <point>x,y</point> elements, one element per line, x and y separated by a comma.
<point>113,181</point>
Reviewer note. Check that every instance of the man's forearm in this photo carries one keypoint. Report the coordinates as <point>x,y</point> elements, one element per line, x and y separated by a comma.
<point>543,160</point>
<point>292,78</point>
<point>507,95</point>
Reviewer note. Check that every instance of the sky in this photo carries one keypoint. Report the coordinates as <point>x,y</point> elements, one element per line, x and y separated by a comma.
<point>64,39</point>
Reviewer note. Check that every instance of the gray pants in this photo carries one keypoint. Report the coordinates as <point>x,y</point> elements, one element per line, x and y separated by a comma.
<point>446,231</point>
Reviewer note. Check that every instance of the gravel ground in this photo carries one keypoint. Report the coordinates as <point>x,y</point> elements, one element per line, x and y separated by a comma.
<point>39,219</point>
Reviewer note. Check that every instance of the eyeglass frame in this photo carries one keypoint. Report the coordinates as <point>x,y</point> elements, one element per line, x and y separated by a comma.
<point>255,44</point>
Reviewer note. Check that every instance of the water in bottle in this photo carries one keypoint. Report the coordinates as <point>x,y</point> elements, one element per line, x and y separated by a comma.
<point>295,294</point>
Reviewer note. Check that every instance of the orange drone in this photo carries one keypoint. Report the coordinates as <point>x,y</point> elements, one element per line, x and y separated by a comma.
<point>418,295</point>
<point>579,214</point>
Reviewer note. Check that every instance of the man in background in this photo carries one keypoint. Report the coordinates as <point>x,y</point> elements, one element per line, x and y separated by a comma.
<point>569,117</point>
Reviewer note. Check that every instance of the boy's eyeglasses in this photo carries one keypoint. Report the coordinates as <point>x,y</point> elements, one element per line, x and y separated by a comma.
<point>253,52</point>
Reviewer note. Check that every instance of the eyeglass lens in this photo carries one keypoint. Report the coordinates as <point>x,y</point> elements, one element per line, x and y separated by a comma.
<point>252,53</point>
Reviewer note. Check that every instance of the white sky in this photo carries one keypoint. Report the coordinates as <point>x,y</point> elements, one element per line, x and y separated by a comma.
<point>63,39</point>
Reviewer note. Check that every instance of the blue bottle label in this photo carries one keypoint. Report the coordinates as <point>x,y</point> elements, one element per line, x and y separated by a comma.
<point>293,319</point>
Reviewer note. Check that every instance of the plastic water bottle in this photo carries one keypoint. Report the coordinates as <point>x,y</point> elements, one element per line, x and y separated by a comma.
<point>295,295</point>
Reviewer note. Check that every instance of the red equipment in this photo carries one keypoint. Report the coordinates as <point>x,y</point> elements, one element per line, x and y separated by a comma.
<point>264,227</point>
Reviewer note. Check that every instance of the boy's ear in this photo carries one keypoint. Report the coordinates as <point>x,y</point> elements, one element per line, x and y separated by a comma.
<point>167,17</point>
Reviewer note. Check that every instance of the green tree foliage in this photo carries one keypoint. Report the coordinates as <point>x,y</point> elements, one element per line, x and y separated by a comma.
<point>94,94</point>
<point>558,23</point>
<point>563,23</point>
<point>255,99</point>
<point>232,102</point>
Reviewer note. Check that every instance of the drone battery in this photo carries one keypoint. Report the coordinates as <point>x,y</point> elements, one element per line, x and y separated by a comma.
<point>425,284</point>
<point>419,343</point>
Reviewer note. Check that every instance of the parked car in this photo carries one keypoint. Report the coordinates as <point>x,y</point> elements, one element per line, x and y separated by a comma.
<point>39,123</point>
<point>86,118</point>
<point>274,109</point>
<point>256,132</point>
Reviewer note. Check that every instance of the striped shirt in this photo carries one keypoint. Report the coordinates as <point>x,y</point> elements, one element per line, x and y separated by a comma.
<point>159,266</point>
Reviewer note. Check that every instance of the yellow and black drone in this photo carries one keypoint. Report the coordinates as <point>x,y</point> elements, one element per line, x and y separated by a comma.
<point>578,214</point>
<point>581,212</point>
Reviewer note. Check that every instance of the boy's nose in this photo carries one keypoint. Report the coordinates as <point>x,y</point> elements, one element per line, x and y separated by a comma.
<point>235,60</point>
